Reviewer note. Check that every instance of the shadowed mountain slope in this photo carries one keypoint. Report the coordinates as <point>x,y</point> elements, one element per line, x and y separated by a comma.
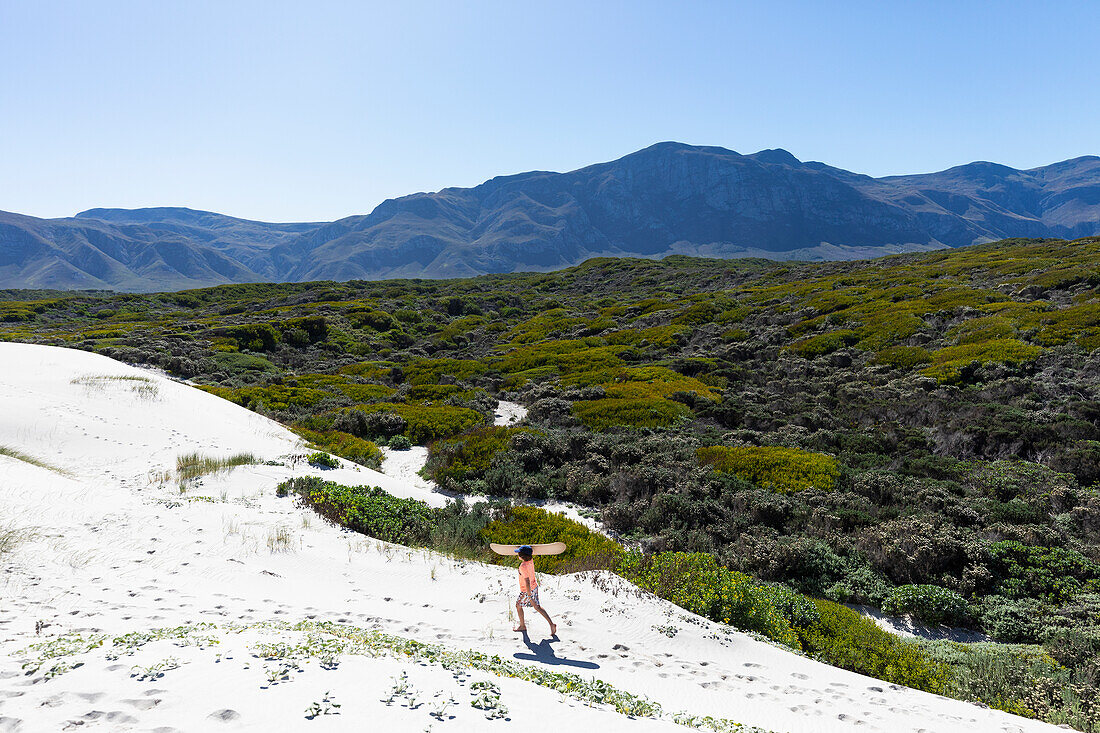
<point>670,198</point>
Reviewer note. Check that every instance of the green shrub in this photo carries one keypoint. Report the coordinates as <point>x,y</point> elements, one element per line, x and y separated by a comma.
<point>929,603</point>
<point>999,675</point>
<point>562,357</point>
<point>949,363</point>
<point>824,343</point>
<point>798,609</point>
<point>400,442</point>
<point>859,584</point>
<point>374,320</point>
<point>698,314</point>
<point>1052,573</point>
<point>784,470</point>
<point>368,510</point>
<point>365,393</point>
<point>654,381</point>
<point>697,583</point>
<point>234,363</point>
<point>977,330</point>
<point>455,460</point>
<point>425,423</point>
<point>633,413</point>
<point>322,460</point>
<point>1013,621</point>
<point>251,336</point>
<point>1074,648</point>
<point>903,357</point>
<point>305,330</point>
<point>663,337</point>
<point>527,525</point>
<point>844,638</point>
<point>345,445</point>
<point>457,529</point>
<point>276,397</point>
<point>429,371</point>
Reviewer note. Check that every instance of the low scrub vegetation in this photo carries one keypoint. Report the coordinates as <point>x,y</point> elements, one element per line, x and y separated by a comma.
<point>643,412</point>
<point>862,432</point>
<point>845,639</point>
<point>455,461</point>
<point>783,470</point>
<point>345,445</point>
<point>1054,682</point>
<point>930,604</point>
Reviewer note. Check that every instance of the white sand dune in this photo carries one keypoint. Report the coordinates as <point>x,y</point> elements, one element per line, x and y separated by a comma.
<point>119,551</point>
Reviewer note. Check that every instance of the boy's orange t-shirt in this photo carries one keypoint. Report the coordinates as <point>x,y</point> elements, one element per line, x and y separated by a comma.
<point>527,570</point>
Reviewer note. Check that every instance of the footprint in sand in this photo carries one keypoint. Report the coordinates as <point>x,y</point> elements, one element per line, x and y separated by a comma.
<point>142,704</point>
<point>115,716</point>
<point>90,696</point>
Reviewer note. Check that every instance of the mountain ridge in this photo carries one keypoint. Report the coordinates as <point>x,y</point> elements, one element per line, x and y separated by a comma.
<point>668,198</point>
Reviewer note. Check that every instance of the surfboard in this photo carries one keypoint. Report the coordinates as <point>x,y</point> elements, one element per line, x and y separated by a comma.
<point>550,548</point>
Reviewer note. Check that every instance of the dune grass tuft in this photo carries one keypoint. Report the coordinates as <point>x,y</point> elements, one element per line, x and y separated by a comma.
<point>20,456</point>
<point>11,537</point>
<point>144,387</point>
<point>193,465</point>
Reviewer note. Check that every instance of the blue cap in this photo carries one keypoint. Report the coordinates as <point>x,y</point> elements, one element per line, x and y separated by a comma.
<point>525,550</point>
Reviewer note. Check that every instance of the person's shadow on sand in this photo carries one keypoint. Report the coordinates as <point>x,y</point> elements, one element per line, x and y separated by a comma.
<point>544,653</point>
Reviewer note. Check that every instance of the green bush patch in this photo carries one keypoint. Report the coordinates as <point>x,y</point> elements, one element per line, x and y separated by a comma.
<point>929,603</point>
<point>948,364</point>
<point>632,413</point>
<point>783,470</point>
<point>425,423</point>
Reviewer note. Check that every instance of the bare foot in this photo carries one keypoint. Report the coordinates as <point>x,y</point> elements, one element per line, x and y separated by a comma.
<point>519,628</point>
<point>553,629</point>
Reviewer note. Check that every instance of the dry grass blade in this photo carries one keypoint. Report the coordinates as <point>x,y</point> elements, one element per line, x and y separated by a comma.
<point>11,537</point>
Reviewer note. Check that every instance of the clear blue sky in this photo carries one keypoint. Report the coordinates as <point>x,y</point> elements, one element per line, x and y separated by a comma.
<point>317,110</point>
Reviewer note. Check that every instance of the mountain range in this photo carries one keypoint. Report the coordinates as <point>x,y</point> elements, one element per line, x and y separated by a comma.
<point>669,198</point>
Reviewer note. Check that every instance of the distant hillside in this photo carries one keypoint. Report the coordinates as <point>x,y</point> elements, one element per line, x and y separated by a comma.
<point>670,198</point>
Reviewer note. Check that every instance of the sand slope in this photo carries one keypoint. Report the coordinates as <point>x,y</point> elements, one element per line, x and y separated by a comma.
<point>118,550</point>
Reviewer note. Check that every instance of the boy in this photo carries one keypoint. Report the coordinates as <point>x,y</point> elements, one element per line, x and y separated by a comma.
<point>529,590</point>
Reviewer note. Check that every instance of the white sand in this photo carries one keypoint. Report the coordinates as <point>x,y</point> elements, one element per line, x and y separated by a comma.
<point>119,551</point>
